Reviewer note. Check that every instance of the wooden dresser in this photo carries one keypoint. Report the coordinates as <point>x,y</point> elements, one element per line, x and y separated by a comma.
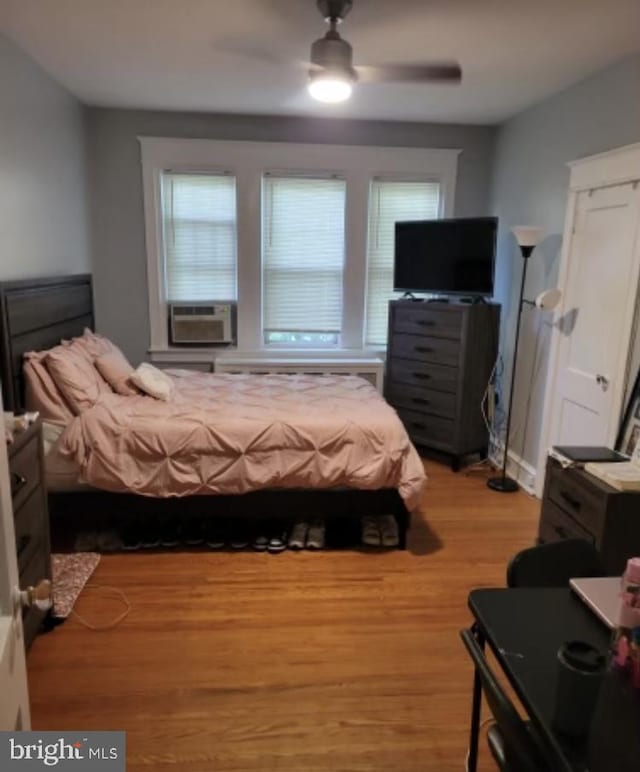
<point>29,496</point>
<point>439,360</point>
<point>576,505</point>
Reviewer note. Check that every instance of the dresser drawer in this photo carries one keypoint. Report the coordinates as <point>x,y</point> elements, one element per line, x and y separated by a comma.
<point>28,526</point>
<point>427,349</point>
<point>581,501</point>
<point>427,428</point>
<point>427,401</point>
<point>433,377</point>
<point>24,470</point>
<point>556,525</point>
<point>421,320</point>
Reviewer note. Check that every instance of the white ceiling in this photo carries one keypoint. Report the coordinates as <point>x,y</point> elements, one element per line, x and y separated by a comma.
<point>167,54</point>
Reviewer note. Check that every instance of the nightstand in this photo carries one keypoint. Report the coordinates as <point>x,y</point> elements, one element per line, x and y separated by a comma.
<point>31,517</point>
<point>576,505</point>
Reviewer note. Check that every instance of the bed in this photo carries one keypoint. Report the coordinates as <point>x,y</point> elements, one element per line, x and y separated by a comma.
<point>38,314</point>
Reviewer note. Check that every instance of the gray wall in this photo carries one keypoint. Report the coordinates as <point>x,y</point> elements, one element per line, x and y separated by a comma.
<point>530,187</point>
<point>43,212</point>
<point>116,188</point>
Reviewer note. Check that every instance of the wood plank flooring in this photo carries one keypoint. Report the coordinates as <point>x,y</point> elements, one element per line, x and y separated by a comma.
<point>303,662</point>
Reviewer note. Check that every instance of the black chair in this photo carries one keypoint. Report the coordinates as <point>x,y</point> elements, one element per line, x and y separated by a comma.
<point>512,741</point>
<point>553,564</point>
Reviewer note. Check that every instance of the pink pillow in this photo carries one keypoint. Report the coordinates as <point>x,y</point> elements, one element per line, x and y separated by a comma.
<point>91,344</point>
<point>75,376</point>
<point>41,392</point>
<point>115,368</point>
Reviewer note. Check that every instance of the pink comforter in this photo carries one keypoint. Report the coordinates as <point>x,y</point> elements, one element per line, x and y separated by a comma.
<point>228,434</point>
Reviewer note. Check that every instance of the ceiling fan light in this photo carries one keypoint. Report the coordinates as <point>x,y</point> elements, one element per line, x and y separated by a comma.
<point>330,88</point>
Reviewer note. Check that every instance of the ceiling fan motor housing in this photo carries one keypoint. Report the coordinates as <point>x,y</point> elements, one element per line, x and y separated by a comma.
<point>334,54</point>
<point>334,9</point>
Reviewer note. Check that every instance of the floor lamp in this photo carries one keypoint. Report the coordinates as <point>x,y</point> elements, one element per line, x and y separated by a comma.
<point>527,238</point>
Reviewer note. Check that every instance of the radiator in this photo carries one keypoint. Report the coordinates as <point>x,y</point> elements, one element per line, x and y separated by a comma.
<point>370,368</point>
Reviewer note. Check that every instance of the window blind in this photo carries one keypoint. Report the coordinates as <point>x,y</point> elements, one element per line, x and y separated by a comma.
<point>390,202</point>
<point>199,226</point>
<point>303,243</point>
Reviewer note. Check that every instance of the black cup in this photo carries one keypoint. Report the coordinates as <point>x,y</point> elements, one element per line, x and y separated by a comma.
<point>581,668</point>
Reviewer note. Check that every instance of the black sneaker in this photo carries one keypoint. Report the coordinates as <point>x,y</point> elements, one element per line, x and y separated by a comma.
<point>131,536</point>
<point>214,533</point>
<point>278,538</point>
<point>238,535</point>
<point>192,532</point>
<point>150,533</point>
<point>260,540</point>
<point>169,532</point>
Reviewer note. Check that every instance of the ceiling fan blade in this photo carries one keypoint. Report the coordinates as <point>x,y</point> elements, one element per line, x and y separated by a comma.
<point>264,55</point>
<point>436,72</point>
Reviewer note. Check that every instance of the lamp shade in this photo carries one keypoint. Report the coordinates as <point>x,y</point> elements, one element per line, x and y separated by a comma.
<point>526,235</point>
<point>549,299</point>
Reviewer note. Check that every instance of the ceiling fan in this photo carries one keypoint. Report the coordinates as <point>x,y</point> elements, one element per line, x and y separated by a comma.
<point>332,73</point>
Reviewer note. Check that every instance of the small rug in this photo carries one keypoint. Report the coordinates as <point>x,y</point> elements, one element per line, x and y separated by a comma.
<point>70,573</point>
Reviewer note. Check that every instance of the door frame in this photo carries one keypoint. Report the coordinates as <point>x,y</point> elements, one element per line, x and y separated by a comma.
<point>615,167</point>
<point>14,707</point>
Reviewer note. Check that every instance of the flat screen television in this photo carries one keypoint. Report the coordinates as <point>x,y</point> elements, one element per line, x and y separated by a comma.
<point>449,257</point>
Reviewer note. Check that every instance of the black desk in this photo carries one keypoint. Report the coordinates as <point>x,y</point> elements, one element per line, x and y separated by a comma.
<point>524,628</point>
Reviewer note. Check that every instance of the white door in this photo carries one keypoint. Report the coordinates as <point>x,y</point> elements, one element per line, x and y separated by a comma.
<point>14,703</point>
<point>594,325</point>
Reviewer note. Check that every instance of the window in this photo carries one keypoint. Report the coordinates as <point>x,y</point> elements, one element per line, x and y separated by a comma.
<point>199,229</point>
<point>390,202</point>
<point>303,243</point>
<point>304,286</point>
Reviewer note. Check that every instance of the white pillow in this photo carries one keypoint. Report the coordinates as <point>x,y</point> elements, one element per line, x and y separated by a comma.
<point>152,381</point>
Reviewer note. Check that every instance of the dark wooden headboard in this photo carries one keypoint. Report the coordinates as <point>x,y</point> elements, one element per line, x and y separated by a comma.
<point>36,314</point>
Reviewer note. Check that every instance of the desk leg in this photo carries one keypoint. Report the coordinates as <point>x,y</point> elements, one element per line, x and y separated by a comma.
<point>472,756</point>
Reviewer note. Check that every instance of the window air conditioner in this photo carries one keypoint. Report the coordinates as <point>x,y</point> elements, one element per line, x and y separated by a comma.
<point>202,322</point>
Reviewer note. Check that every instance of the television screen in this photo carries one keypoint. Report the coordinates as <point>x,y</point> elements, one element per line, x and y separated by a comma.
<point>452,257</point>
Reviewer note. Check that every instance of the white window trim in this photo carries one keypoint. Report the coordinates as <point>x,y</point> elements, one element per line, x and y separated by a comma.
<point>248,162</point>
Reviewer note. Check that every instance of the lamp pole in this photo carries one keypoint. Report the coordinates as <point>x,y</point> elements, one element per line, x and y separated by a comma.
<point>527,239</point>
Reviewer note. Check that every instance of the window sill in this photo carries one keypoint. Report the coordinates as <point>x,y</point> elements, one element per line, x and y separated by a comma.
<point>205,355</point>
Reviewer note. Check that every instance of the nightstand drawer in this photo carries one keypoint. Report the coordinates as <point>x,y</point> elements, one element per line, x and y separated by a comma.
<point>422,320</point>
<point>427,428</point>
<point>438,403</point>
<point>39,568</point>
<point>28,527</point>
<point>24,471</point>
<point>579,500</point>
<point>427,349</point>
<point>556,525</point>
<point>434,377</point>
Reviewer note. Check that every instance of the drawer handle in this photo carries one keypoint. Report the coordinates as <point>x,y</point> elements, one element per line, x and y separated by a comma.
<point>561,531</point>
<point>425,322</point>
<point>22,543</point>
<point>570,500</point>
<point>422,376</point>
<point>420,400</point>
<point>423,350</point>
<point>17,483</point>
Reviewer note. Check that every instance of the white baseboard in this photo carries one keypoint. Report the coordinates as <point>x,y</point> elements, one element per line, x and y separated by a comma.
<point>517,468</point>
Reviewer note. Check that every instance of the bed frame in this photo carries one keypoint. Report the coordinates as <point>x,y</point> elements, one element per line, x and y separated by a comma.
<point>37,314</point>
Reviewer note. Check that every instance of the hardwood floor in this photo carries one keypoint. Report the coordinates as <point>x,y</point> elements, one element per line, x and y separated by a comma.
<point>303,662</point>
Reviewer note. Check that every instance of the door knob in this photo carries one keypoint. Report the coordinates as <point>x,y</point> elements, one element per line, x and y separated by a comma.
<point>603,381</point>
<point>40,596</point>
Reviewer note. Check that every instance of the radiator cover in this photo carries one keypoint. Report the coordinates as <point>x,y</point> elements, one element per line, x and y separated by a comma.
<point>370,368</point>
